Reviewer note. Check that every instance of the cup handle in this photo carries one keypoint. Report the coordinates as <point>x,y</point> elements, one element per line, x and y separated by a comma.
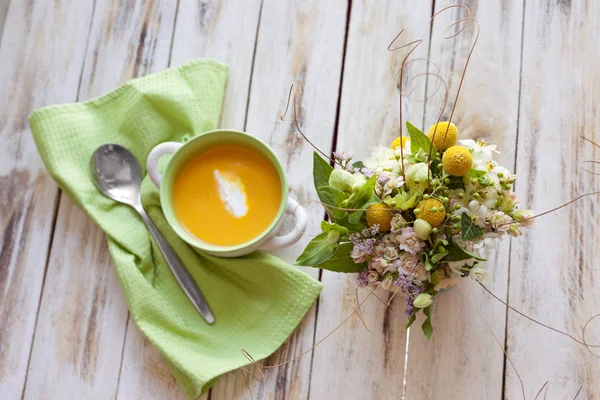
<point>154,156</point>
<point>301,218</point>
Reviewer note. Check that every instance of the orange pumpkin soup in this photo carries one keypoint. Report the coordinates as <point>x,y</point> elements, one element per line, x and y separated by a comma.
<point>227,195</point>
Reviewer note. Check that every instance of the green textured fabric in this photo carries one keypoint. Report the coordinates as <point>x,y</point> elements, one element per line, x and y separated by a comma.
<point>258,300</point>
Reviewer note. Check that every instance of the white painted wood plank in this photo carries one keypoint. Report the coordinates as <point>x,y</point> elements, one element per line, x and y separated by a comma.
<point>555,270</point>
<point>83,314</point>
<point>225,31</point>
<point>299,43</point>
<point>41,63</point>
<point>462,349</point>
<point>355,363</point>
<point>4,4</point>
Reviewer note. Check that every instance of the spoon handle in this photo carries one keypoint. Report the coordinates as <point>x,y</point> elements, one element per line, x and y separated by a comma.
<point>178,269</point>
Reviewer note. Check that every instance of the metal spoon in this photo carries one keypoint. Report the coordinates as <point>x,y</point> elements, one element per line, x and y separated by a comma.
<point>117,174</point>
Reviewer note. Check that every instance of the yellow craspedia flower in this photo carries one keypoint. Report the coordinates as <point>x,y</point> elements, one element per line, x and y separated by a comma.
<point>457,161</point>
<point>443,140</point>
<point>432,211</point>
<point>380,214</point>
<point>398,140</point>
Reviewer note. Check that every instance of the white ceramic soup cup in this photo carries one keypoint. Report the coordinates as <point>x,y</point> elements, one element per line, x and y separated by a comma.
<point>181,153</point>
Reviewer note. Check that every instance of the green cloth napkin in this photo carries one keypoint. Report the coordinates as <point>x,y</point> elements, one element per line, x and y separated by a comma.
<point>258,300</point>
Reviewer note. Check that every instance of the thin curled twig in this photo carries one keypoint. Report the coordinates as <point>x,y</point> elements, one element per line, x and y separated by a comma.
<point>541,389</point>
<point>581,342</point>
<point>554,209</point>
<point>290,93</point>
<point>415,44</point>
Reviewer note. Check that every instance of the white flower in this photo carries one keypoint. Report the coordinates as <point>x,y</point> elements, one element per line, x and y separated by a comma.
<point>478,212</point>
<point>409,263</point>
<point>379,264</point>
<point>373,277</point>
<point>417,175</point>
<point>479,273</point>
<point>423,300</point>
<point>455,266</point>
<point>524,217</point>
<point>422,229</point>
<point>500,221</point>
<point>383,159</point>
<point>378,250</point>
<point>409,241</point>
<point>480,150</point>
<point>391,253</point>
<point>398,222</point>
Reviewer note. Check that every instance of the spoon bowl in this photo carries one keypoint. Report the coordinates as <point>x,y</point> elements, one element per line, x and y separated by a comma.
<point>117,174</point>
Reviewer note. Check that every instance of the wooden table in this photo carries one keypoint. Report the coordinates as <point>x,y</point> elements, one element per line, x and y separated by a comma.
<point>533,87</point>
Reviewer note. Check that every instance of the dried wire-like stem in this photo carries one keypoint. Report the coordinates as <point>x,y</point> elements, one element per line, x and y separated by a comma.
<point>541,389</point>
<point>415,44</point>
<point>591,162</point>
<point>290,94</point>
<point>581,342</point>
<point>553,210</point>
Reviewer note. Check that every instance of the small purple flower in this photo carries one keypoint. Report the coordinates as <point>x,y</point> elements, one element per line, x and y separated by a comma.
<point>411,289</point>
<point>363,277</point>
<point>367,172</point>
<point>383,179</point>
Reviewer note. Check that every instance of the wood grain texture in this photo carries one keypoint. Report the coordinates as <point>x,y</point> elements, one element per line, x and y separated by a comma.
<point>4,4</point>
<point>462,348</point>
<point>555,269</point>
<point>299,43</point>
<point>41,64</point>
<point>225,31</point>
<point>83,315</point>
<point>355,363</point>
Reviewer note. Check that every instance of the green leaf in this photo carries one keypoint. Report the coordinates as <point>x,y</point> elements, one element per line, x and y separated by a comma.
<point>317,251</point>
<point>357,215</point>
<point>332,197</point>
<point>365,192</point>
<point>333,227</point>
<point>427,327</point>
<point>364,198</point>
<point>410,321</point>
<point>321,171</point>
<point>404,200</point>
<point>418,140</point>
<point>427,311</point>
<point>435,277</point>
<point>456,182</point>
<point>358,164</point>
<point>468,230</point>
<point>341,261</point>
<point>476,173</point>
<point>412,200</point>
<point>428,264</point>
<point>438,256</point>
<point>417,157</point>
<point>352,227</point>
<point>457,253</point>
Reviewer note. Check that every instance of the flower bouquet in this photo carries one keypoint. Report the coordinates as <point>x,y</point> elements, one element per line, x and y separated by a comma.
<point>415,216</point>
